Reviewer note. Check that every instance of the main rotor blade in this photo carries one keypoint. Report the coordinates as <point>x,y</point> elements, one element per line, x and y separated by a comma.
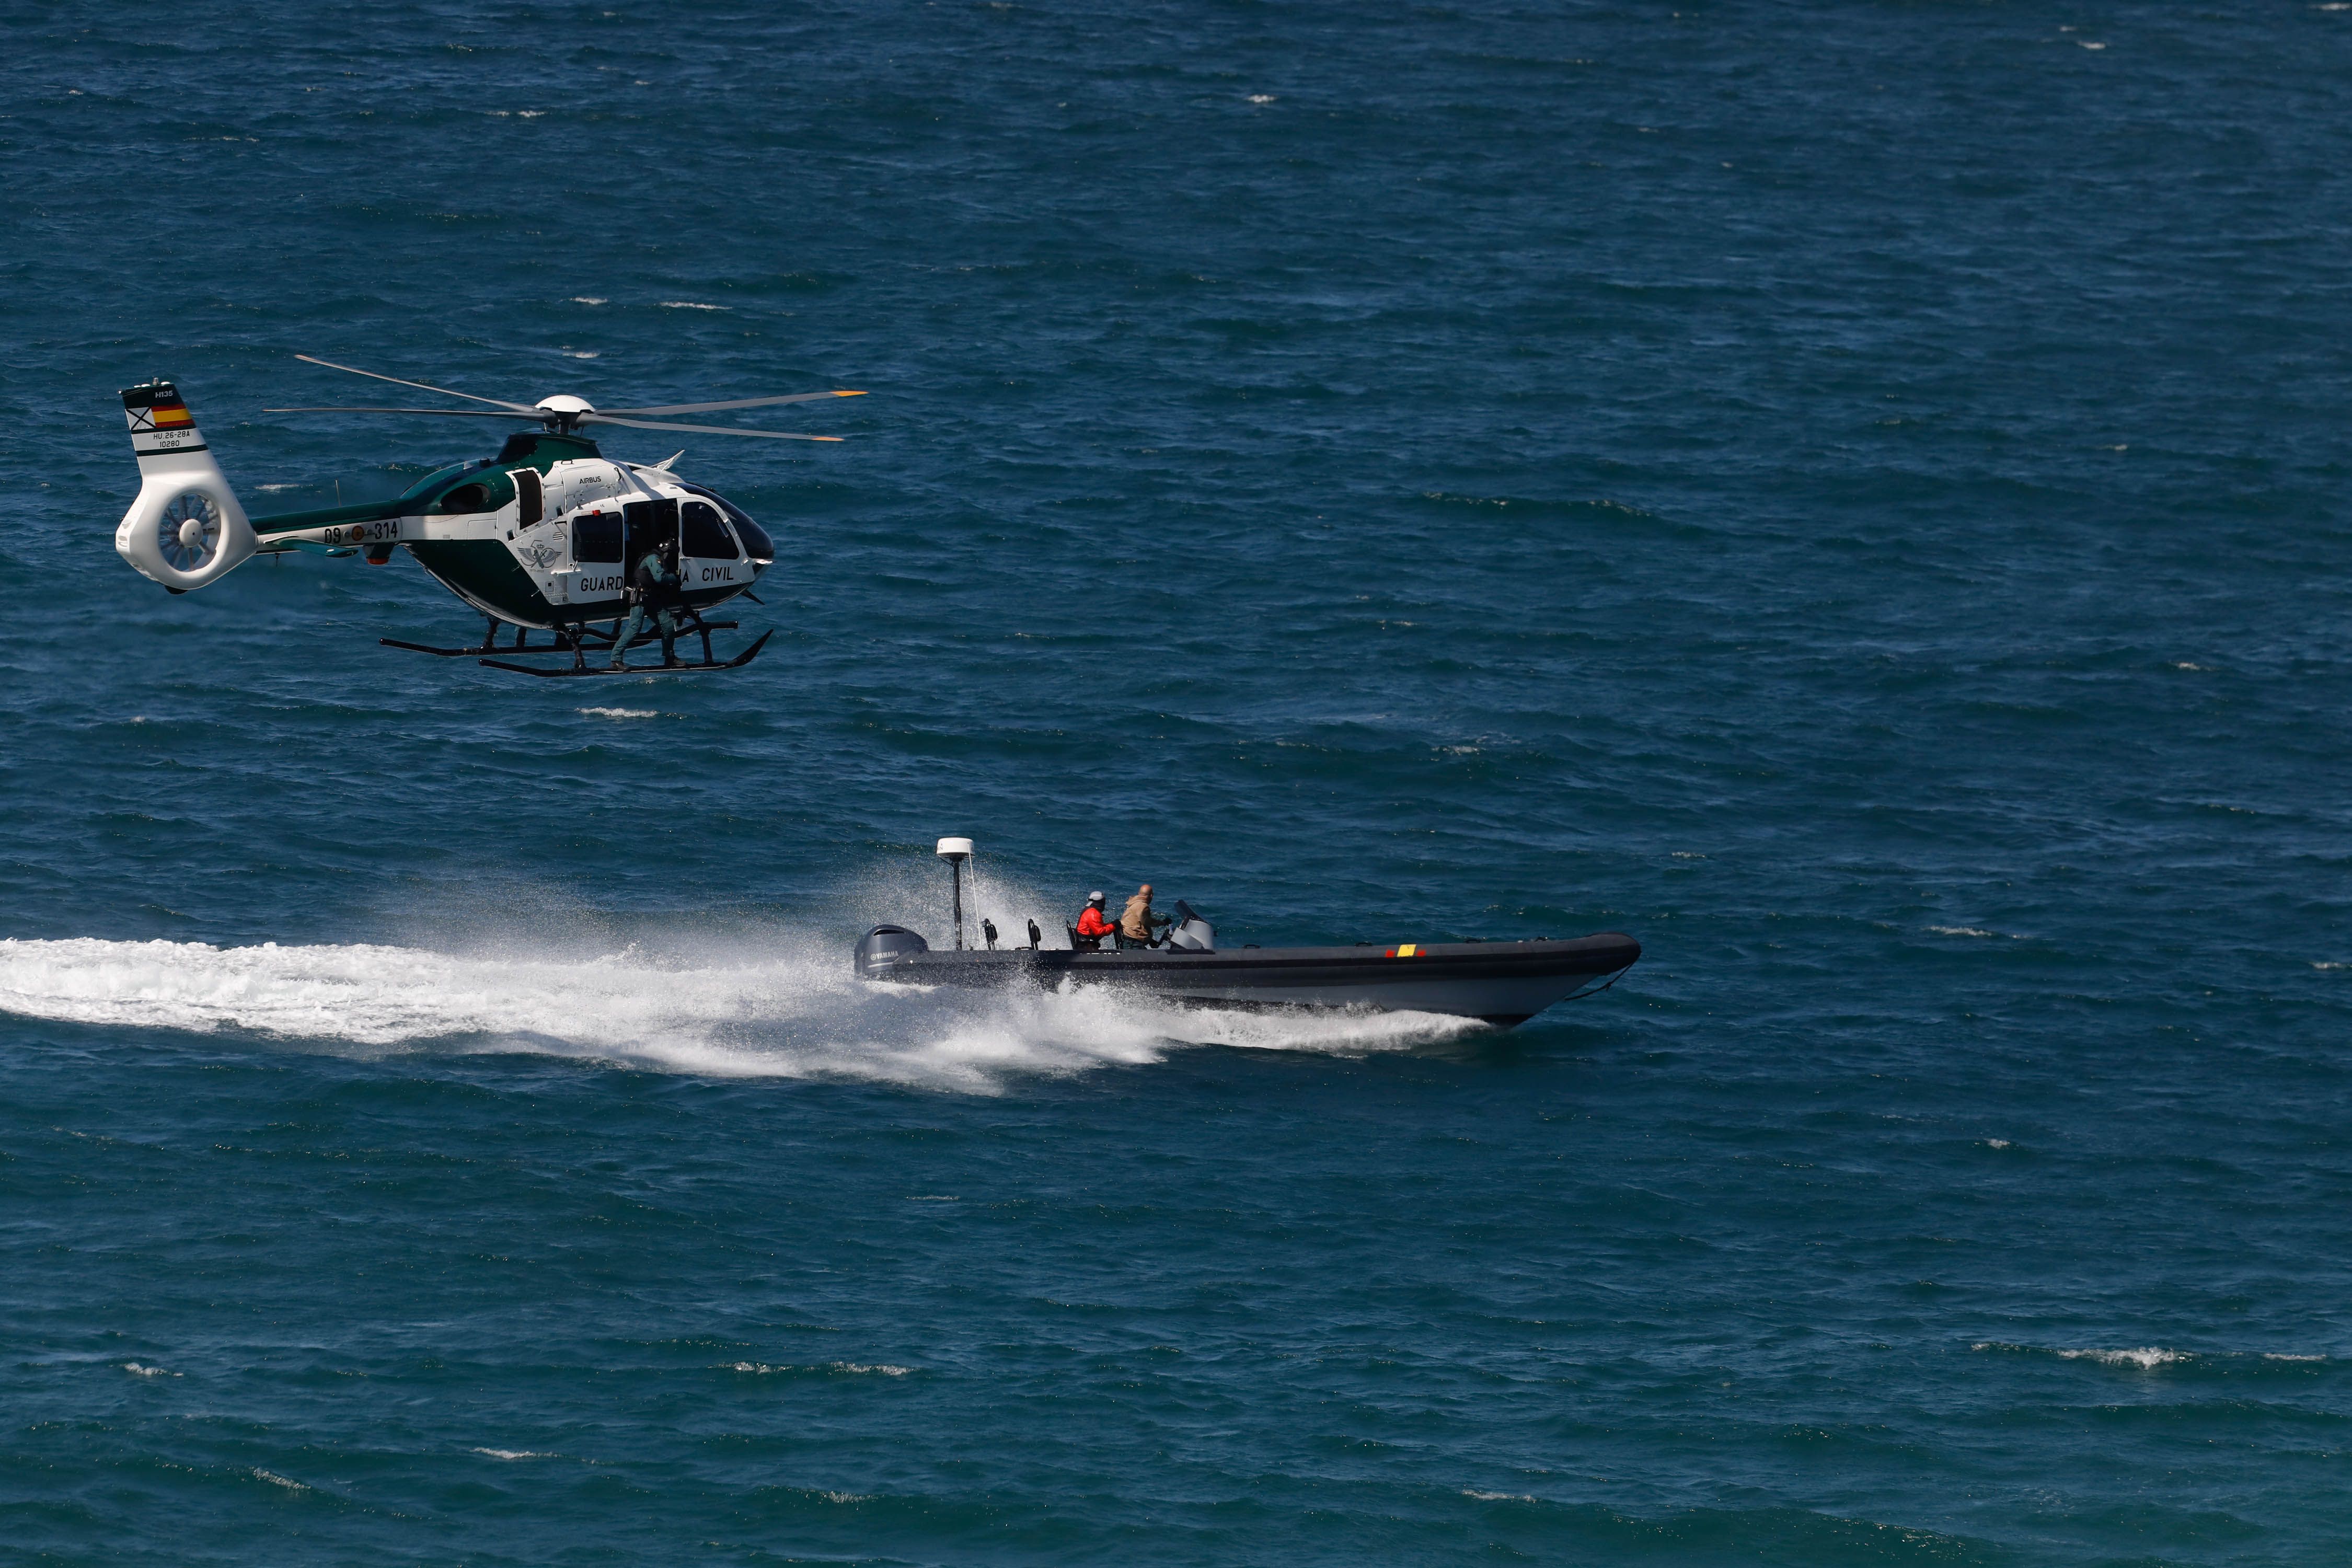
<point>496,402</point>
<point>739,402</point>
<point>702,429</point>
<point>446,413</point>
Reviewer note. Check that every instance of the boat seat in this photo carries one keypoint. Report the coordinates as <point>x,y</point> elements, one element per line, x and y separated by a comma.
<point>1083,944</point>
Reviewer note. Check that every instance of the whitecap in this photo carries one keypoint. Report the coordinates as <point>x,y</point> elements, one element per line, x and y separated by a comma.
<point>517,1454</point>
<point>620,712</point>
<point>275,1479</point>
<point>1996,1143</point>
<point>2147,1358</point>
<point>2283,1355</point>
<point>1962,931</point>
<point>883,1368</point>
<point>691,305</point>
<point>1497,1497</point>
<point>1262,98</point>
<point>587,300</point>
<point>137,1371</point>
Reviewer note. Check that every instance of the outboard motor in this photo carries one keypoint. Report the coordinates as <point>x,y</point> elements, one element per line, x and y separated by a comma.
<point>878,949</point>
<point>1191,933</point>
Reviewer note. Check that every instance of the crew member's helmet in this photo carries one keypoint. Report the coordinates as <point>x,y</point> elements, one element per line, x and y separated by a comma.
<point>1094,897</point>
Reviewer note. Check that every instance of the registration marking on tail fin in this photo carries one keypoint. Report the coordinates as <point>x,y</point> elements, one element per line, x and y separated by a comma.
<point>160,421</point>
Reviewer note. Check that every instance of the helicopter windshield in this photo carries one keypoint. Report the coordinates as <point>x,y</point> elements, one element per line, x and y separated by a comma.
<point>756,542</point>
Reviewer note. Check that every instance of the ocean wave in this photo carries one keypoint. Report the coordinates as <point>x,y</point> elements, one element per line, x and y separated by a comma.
<point>799,1015</point>
<point>2148,1359</point>
<point>2145,1358</point>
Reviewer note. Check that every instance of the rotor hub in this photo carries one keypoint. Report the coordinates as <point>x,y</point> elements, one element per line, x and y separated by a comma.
<point>563,411</point>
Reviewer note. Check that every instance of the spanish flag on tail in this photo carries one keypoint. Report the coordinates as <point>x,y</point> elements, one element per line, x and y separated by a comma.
<point>159,420</point>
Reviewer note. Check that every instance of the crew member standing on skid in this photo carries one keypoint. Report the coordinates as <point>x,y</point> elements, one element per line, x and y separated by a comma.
<point>657,591</point>
<point>1135,922</point>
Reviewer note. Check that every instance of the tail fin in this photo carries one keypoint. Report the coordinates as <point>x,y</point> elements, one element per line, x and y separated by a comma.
<point>186,527</point>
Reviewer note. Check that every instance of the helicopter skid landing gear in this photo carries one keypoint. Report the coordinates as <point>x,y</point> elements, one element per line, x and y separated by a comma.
<point>579,666</point>
<point>581,640</point>
<point>562,643</point>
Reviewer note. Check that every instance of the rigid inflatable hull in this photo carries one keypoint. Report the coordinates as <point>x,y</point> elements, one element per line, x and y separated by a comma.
<point>1503,982</point>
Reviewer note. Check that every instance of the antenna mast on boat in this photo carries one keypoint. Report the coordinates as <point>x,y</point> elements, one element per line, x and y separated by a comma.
<point>955,852</point>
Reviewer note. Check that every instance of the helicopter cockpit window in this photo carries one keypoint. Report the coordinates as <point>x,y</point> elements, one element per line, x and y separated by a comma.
<point>755,538</point>
<point>596,537</point>
<point>706,537</point>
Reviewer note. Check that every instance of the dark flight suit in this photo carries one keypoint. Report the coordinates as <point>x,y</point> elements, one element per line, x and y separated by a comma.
<point>657,594</point>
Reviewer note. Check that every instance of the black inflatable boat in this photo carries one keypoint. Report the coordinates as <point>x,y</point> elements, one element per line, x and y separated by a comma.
<point>1503,982</point>
<point>1500,982</point>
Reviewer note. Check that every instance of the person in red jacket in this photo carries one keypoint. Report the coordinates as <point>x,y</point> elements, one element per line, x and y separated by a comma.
<point>1091,927</point>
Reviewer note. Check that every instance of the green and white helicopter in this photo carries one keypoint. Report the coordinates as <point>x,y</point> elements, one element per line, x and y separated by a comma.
<point>541,536</point>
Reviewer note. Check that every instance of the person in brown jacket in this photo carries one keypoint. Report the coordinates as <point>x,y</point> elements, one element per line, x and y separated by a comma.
<point>1136,922</point>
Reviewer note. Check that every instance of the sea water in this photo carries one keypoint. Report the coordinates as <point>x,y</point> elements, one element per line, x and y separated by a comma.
<point>1851,495</point>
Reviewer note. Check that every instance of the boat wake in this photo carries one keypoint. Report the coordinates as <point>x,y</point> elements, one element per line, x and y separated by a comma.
<point>797,1013</point>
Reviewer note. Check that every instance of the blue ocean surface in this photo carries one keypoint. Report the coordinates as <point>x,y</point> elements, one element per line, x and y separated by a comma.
<point>1855,495</point>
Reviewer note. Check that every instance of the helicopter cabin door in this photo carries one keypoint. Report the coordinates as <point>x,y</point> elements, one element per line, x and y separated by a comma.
<point>648,523</point>
<point>598,572</point>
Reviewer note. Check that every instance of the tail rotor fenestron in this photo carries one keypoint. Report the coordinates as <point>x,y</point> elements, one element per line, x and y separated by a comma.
<point>185,528</point>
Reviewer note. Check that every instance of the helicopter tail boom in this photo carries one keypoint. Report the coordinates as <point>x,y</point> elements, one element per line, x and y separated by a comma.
<point>186,527</point>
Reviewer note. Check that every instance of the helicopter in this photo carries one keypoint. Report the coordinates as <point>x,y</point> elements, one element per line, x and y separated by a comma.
<point>541,537</point>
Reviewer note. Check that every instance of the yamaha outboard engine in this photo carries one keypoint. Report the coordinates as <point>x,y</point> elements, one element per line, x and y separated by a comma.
<point>878,949</point>
<point>1191,933</point>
